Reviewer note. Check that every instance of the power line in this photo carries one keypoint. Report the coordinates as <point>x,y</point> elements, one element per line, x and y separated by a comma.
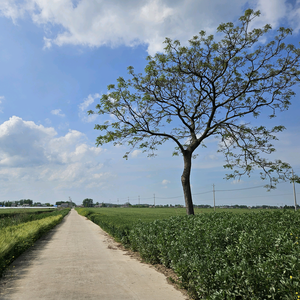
<point>138,199</point>
<point>169,197</point>
<point>202,193</point>
<point>249,188</point>
<point>256,197</point>
<point>194,194</point>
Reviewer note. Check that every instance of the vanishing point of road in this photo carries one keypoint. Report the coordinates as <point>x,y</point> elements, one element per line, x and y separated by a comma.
<point>77,260</point>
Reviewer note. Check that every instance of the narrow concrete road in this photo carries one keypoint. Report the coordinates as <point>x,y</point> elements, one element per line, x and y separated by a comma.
<point>77,260</point>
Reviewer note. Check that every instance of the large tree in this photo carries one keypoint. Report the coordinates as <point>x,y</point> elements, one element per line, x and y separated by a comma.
<point>209,88</point>
<point>87,202</point>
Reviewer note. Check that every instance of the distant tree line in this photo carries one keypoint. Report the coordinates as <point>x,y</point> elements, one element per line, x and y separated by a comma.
<point>18,202</point>
<point>89,203</point>
<point>61,202</point>
<point>22,202</point>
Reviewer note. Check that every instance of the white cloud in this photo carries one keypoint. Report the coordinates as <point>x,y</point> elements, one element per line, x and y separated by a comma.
<point>212,157</point>
<point>57,112</point>
<point>1,100</point>
<point>30,152</point>
<point>22,142</point>
<point>47,43</point>
<point>135,153</point>
<point>63,126</point>
<point>133,22</point>
<point>294,15</point>
<point>237,181</point>
<point>165,182</point>
<point>272,12</point>
<point>83,108</point>
<point>88,101</point>
<point>48,121</point>
<point>14,10</point>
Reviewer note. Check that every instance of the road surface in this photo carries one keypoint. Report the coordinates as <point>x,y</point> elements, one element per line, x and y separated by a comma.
<point>77,260</point>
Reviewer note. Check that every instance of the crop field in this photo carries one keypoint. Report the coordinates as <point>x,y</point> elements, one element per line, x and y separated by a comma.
<point>18,231</point>
<point>129,216</point>
<point>118,221</point>
<point>16,216</point>
<point>5,211</point>
<point>224,255</point>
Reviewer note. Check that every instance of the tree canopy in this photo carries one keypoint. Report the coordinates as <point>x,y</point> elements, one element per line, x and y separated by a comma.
<point>87,202</point>
<point>209,88</point>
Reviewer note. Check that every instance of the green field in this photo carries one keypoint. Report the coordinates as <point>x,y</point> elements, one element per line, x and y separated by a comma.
<point>146,214</point>
<point>15,216</point>
<point>129,214</point>
<point>228,254</point>
<point>117,221</point>
<point>5,211</point>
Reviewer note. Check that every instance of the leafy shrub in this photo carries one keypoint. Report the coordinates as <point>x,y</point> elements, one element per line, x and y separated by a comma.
<point>253,255</point>
<point>115,226</point>
<point>118,221</point>
<point>225,255</point>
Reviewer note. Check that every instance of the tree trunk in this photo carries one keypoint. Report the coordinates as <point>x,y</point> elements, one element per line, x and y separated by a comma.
<point>186,185</point>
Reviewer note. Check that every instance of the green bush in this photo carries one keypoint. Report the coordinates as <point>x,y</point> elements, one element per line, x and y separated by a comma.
<point>253,255</point>
<point>225,255</point>
<point>115,225</point>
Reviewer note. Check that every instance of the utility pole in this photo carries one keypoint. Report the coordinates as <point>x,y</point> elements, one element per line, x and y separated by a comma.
<point>295,200</point>
<point>154,200</point>
<point>214,197</point>
<point>139,199</point>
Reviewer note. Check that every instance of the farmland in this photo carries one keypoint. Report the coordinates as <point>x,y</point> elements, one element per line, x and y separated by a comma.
<point>16,216</point>
<point>14,211</point>
<point>20,229</point>
<point>222,255</point>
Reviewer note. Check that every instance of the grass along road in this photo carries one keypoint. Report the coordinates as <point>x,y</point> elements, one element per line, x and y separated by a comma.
<point>75,261</point>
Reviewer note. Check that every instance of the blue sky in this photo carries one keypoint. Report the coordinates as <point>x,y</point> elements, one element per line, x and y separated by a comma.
<point>57,58</point>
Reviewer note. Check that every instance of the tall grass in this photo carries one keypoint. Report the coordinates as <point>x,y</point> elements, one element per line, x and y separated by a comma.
<point>14,218</point>
<point>8,211</point>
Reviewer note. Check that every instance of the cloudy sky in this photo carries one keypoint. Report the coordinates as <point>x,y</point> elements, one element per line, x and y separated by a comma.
<point>57,58</point>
